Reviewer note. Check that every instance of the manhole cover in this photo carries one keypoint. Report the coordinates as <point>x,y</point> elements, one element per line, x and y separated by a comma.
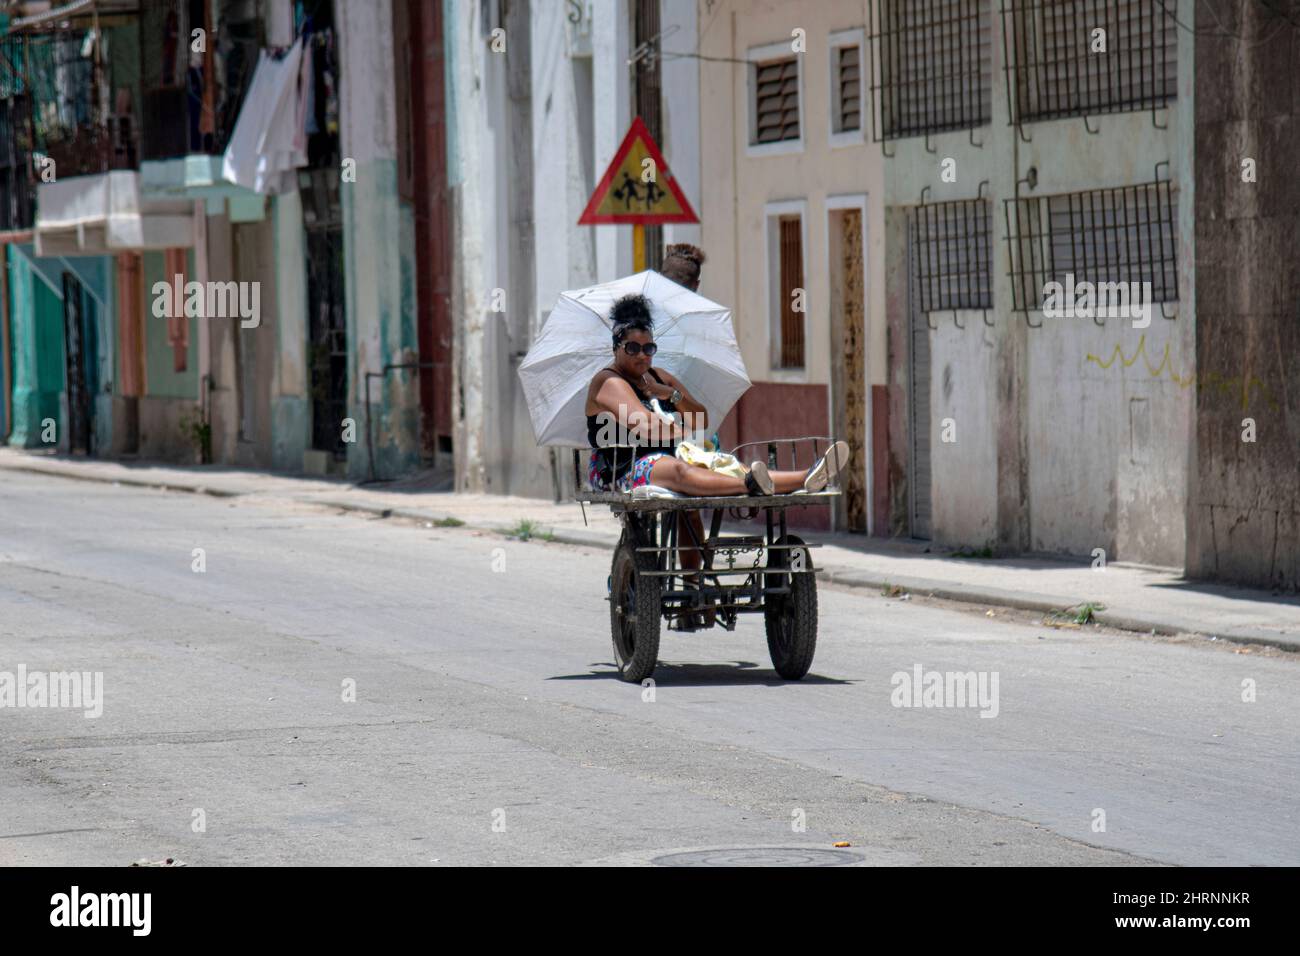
<point>759,856</point>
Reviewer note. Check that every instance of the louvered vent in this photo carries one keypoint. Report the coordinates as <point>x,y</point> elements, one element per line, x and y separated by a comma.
<point>776,107</point>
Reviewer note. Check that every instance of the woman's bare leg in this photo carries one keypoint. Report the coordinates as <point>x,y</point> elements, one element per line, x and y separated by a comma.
<point>699,482</point>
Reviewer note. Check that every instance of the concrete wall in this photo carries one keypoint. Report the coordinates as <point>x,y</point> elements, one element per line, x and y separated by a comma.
<point>1070,436</point>
<point>1243,515</point>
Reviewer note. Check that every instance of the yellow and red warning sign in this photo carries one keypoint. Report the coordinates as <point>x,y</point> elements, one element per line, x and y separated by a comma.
<point>637,188</point>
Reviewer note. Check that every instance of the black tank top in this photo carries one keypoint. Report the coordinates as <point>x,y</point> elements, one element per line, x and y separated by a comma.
<point>624,460</point>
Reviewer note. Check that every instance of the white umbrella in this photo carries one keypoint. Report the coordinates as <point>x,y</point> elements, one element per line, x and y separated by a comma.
<point>694,335</point>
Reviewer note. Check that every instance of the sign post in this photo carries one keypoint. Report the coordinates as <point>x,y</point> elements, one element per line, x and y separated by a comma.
<point>638,190</point>
<point>638,247</point>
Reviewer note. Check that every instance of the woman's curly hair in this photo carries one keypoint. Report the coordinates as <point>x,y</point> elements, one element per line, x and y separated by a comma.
<point>632,312</point>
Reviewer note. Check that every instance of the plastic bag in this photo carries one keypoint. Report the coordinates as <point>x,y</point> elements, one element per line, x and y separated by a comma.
<point>702,455</point>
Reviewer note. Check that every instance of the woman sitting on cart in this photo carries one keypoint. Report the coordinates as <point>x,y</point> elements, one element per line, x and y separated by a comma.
<point>620,411</point>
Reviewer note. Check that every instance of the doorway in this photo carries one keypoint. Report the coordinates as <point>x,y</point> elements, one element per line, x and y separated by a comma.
<point>79,357</point>
<point>327,341</point>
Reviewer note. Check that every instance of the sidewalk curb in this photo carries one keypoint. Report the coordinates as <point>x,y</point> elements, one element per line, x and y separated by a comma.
<point>196,489</point>
<point>841,576</point>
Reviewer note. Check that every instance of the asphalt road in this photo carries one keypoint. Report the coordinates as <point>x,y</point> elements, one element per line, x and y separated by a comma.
<point>487,725</point>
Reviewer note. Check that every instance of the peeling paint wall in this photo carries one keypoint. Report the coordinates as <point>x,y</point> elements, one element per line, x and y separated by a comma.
<point>379,287</point>
<point>512,169</point>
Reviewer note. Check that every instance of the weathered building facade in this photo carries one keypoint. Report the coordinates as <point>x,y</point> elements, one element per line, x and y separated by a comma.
<point>792,226</point>
<point>118,118</point>
<point>1061,151</point>
<point>539,98</point>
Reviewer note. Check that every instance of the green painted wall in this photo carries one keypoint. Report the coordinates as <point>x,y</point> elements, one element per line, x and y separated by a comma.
<point>161,381</point>
<point>36,329</point>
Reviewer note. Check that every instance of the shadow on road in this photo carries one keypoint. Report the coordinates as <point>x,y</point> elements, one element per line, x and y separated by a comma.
<point>706,675</point>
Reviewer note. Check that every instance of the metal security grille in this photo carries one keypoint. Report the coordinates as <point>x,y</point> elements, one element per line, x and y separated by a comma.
<point>1075,57</point>
<point>66,111</point>
<point>933,66</point>
<point>791,280</point>
<point>776,104</point>
<point>17,191</point>
<point>952,255</point>
<point>848,113</point>
<point>1125,234</point>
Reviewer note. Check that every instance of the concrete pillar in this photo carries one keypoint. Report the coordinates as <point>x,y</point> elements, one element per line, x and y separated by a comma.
<point>379,265</point>
<point>290,406</point>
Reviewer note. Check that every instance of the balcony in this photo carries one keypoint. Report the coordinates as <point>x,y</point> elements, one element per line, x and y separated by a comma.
<point>106,213</point>
<point>190,110</point>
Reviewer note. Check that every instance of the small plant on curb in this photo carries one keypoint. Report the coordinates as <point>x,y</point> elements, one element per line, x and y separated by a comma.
<point>527,529</point>
<point>985,552</point>
<point>449,523</point>
<point>892,590</point>
<point>1074,616</point>
<point>199,433</point>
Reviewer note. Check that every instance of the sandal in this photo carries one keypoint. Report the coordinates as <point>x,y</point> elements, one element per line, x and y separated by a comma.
<point>759,482</point>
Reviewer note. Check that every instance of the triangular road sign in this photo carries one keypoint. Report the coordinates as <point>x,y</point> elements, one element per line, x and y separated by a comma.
<point>637,187</point>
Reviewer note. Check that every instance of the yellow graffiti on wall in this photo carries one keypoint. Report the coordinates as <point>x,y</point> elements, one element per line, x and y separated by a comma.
<point>1224,386</point>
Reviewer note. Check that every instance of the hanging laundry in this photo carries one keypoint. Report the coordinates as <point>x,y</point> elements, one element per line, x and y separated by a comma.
<point>264,148</point>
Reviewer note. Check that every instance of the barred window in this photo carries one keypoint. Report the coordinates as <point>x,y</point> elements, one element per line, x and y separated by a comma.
<point>933,66</point>
<point>1125,234</point>
<point>776,101</point>
<point>952,255</point>
<point>1076,57</point>
<point>848,89</point>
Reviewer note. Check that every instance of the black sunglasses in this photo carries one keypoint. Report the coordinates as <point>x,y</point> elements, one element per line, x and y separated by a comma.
<point>636,348</point>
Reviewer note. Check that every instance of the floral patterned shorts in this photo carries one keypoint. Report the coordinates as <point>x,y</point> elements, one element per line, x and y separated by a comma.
<point>634,477</point>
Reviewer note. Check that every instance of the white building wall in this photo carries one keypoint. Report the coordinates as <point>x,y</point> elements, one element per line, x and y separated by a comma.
<point>611,111</point>
<point>546,135</point>
<point>680,81</point>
